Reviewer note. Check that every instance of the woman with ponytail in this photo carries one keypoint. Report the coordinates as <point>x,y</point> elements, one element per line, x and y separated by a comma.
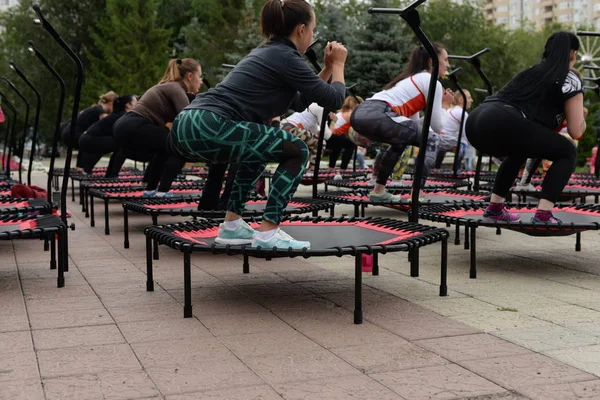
<point>98,139</point>
<point>521,121</point>
<point>145,129</point>
<point>392,117</point>
<point>230,123</point>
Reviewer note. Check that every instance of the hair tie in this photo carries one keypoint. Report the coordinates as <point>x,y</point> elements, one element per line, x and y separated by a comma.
<point>178,61</point>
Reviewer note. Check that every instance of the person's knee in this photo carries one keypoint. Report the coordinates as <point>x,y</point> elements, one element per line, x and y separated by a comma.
<point>297,149</point>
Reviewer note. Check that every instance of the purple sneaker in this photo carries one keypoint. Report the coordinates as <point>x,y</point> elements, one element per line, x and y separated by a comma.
<point>550,221</point>
<point>501,216</point>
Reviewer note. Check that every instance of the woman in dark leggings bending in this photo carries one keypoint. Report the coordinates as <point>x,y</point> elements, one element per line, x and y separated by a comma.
<point>520,122</point>
<point>229,123</point>
<point>145,129</point>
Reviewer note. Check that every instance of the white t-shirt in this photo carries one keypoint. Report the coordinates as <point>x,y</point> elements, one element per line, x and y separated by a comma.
<point>451,123</point>
<point>309,119</point>
<point>409,96</point>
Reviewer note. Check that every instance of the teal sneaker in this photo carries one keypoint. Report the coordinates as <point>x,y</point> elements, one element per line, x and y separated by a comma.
<point>385,197</point>
<point>242,234</point>
<point>149,193</point>
<point>281,240</point>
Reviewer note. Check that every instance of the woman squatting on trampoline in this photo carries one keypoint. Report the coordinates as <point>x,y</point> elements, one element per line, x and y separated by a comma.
<point>340,143</point>
<point>98,139</point>
<point>229,123</point>
<point>145,129</point>
<point>520,122</point>
<point>392,116</point>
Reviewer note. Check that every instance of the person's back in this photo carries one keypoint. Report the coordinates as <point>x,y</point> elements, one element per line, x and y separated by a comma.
<point>161,103</point>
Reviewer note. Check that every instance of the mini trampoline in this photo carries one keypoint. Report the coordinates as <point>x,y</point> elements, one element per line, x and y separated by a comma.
<point>192,192</point>
<point>329,236</point>
<point>13,205</point>
<point>360,198</point>
<point>439,183</point>
<point>189,208</point>
<point>325,175</point>
<point>575,218</point>
<point>47,227</point>
<point>123,175</point>
<point>572,191</point>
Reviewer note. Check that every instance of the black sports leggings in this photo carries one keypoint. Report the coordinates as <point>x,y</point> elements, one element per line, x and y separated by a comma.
<point>137,136</point>
<point>502,130</point>
<point>337,144</point>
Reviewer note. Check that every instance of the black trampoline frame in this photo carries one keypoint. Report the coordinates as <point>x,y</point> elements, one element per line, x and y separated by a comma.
<point>345,183</point>
<point>42,206</point>
<point>162,235</point>
<point>432,214</point>
<point>361,205</point>
<point>106,197</point>
<point>314,206</point>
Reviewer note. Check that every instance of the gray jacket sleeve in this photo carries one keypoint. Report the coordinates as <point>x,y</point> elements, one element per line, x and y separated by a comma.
<point>311,88</point>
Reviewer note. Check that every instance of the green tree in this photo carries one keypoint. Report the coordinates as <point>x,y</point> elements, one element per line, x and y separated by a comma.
<point>120,63</point>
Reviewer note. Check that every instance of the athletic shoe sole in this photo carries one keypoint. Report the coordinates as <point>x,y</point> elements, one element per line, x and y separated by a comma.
<point>233,241</point>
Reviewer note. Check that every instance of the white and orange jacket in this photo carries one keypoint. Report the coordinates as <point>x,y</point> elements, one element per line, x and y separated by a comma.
<point>309,119</point>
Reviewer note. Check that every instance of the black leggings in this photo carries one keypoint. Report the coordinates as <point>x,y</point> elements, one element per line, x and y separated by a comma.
<point>212,199</point>
<point>92,148</point>
<point>137,137</point>
<point>337,144</point>
<point>502,130</point>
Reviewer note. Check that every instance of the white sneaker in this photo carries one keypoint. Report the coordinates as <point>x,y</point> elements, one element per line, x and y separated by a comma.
<point>242,234</point>
<point>281,240</point>
<point>525,188</point>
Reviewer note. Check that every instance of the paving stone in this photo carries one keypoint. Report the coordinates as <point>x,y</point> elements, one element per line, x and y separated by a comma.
<point>501,320</point>
<point>438,382</point>
<point>15,342</point>
<point>122,385</point>
<point>265,343</point>
<point>53,320</point>
<point>564,391</point>
<point>341,388</point>
<point>176,353</point>
<point>262,392</point>
<point>451,307</point>
<point>18,367</point>
<point>47,339</point>
<point>238,324</point>
<point>547,338</point>
<point>30,389</point>
<point>586,358</point>
<point>146,331</point>
<point>517,372</point>
<point>146,312</point>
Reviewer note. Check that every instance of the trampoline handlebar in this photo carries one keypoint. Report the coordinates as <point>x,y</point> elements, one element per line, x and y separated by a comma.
<point>587,33</point>
<point>228,66</point>
<point>592,67</point>
<point>471,57</point>
<point>399,11</point>
<point>453,73</point>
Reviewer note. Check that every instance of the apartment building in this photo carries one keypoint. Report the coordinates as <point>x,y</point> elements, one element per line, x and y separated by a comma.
<point>4,4</point>
<point>517,13</point>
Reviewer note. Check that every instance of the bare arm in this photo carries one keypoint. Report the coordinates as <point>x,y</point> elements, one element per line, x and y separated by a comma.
<point>575,116</point>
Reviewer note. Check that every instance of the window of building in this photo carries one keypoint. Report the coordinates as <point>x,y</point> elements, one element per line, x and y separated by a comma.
<point>4,2</point>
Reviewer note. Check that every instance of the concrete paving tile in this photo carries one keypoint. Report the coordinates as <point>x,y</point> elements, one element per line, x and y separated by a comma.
<point>86,360</point>
<point>547,337</point>
<point>226,306</point>
<point>146,331</point>
<point>205,293</point>
<point>30,389</point>
<point>256,276</point>
<point>333,328</point>
<point>146,312</point>
<point>299,366</point>
<point>591,328</point>
<point>500,320</point>
<point>51,292</point>
<point>279,289</point>
<point>564,391</point>
<point>67,304</point>
<point>238,324</point>
<point>262,392</point>
<point>498,396</point>
<point>131,276</point>
<point>203,376</point>
<point>177,353</point>
<point>341,388</point>
<point>18,367</point>
<point>387,356</point>
<point>53,320</point>
<point>566,314</point>
<point>438,382</point>
<point>158,296</point>
<point>586,358</point>
<point>302,302</point>
<point>451,307</point>
<point>265,343</point>
<point>122,385</point>
<point>471,347</point>
<point>14,323</point>
<point>304,274</point>
<point>15,342</point>
<point>328,286</point>
<point>517,372</point>
<point>47,339</point>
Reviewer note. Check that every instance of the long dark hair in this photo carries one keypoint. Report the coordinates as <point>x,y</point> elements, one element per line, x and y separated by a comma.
<point>279,18</point>
<point>417,62</point>
<point>121,101</point>
<point>551,70</point>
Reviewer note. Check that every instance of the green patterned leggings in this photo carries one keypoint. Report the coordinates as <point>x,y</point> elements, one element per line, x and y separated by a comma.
<point>206,135</point>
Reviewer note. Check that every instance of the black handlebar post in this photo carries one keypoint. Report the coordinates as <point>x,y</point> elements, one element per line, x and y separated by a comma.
<point>452,75</point>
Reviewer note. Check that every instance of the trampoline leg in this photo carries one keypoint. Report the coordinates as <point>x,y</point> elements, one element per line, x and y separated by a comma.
<point>375,271</point>
<point>246,265</point>
<point>578,241</point>
<point>358,315</point>
<point>87,203</point>
<point>596,198</point>
<point>332,211</point>
<point>187,278</point>
<point>473,271</point>
<point>356,210</point>
<point>498,231</point>
<point>467,237</point>
<point>92,216</point>
<point>62,257</point>
<point>457,235</point>
<point>362,211</point>
<point>444,269</point>
<point>106,218</point>
<point>149,274</point>
<point>414,262</point>
<point>125,228</point>
<point>155,223</point>
<point>72,189</point>
<point>66,250</point>
<point>46,244</point>
<point>52,251</point>
<point>81,198</point>
<point>315,213</point>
